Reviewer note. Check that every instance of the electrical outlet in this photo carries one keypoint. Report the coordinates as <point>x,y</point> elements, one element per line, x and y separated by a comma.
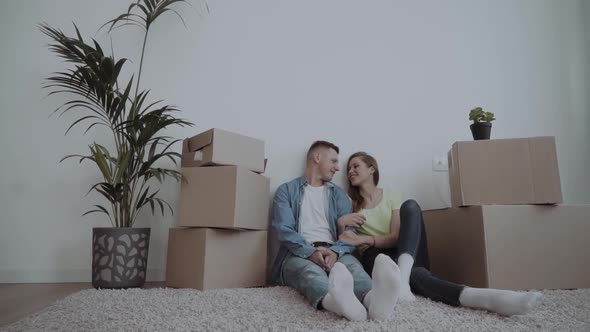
<point>440,164</point>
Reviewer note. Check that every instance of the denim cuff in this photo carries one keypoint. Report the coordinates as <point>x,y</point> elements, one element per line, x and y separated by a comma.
<point>340,250</point>
<point>304,252</point>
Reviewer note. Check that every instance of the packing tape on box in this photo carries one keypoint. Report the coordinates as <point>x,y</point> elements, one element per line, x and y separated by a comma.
<point>198,156</point>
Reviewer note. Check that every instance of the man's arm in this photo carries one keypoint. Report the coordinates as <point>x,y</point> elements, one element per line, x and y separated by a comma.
<point>283,222</point>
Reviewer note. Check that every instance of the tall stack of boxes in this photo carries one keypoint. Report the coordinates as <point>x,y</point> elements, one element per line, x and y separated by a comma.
<point>508,227</point>
<point>221,241</point>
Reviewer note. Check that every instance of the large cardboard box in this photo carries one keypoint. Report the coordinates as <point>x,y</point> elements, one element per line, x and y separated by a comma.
<point>511,246</point>
<point>504,171</point>
<point>224,197</point>
<point>220,147</point>
<point>206,258</point>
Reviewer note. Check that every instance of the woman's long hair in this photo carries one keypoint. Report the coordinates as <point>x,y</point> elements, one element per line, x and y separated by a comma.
<point>354,192</point>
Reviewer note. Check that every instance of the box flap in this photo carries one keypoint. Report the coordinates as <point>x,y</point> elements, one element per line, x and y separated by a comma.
<point>454,179</point>
<point>197,158</point>
<point>546,180</point>
<point>185,148</point>
<point>201,140</point>
<point>230,147</point>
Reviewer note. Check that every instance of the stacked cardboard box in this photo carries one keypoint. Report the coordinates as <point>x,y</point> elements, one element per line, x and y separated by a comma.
<point>507,227</point>
<point>221,241</point>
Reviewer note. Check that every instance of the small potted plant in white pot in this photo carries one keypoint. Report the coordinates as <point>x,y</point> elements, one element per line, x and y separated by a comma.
<point>482,123</point>
<point>129,169</point>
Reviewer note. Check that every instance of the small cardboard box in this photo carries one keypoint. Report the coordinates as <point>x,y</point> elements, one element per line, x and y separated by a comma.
<point>504,171</point>
<point>515,247</point>
<point>206,258</point>
<point>220,147</point>
<point>224,197</point>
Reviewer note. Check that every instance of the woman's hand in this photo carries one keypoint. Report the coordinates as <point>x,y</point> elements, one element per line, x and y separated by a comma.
<point>351,219</point>
<point>351,238</point>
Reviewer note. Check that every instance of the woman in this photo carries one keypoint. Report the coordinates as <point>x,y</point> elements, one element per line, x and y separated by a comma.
<point>402,237</point>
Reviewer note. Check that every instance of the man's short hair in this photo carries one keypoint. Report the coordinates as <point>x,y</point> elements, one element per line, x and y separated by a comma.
<point>321,144</point>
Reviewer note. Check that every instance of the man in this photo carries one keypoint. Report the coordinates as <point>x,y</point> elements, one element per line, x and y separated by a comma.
<point>312,260</point>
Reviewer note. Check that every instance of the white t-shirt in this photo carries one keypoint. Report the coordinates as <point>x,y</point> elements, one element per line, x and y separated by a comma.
<point>313,222</point>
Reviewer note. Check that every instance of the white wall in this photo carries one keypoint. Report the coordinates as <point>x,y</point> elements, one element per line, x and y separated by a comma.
<point>395,78</point>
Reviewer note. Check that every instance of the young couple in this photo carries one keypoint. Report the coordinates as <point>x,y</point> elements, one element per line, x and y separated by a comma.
<point>319,227</point>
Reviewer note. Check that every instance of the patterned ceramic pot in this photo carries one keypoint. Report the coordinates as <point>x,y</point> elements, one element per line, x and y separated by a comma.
<point>119,257</point>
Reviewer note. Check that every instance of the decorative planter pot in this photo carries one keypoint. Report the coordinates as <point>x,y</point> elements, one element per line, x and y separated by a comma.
<point>119,257</point>
<point>481,130</point>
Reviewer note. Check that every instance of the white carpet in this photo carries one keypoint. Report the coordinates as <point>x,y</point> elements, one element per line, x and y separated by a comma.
<point>282,309</point>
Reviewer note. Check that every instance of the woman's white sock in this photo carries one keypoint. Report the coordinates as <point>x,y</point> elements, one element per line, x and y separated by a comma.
<point>340,298</point>
<point>503,302</point>
<point>406,262</point>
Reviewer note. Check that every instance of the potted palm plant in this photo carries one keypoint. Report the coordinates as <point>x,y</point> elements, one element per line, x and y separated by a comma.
<point>129,162</point>
<point>482,123</point>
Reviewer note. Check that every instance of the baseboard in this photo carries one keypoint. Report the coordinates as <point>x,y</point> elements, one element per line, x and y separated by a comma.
<point>11,276</point>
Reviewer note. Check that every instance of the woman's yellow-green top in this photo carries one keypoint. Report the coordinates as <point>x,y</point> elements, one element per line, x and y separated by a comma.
<point>378,218</point>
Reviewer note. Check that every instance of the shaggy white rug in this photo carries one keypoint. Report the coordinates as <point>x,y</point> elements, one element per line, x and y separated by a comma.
<point>282,309</point>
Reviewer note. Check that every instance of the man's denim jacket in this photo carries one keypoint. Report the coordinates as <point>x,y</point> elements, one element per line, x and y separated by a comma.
<point>285,222</point>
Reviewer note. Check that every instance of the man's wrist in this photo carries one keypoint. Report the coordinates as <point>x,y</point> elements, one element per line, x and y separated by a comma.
<point>336,252</point>
<point>305,252</point>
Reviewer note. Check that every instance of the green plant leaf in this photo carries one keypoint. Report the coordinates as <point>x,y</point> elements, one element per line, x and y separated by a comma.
<point>82,158</point>
<point>80,120</point>
<point>115,117</point>
<point>107,190</point>
<point>141,200</point>
<point>101,162</point>
<point>121,166</point>
<point>94,124</point>
<point>167,204</point>
<point>100,209</point>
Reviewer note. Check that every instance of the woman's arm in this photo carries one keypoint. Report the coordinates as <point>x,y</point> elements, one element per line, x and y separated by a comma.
<point>351,219</point>
<point>378,241</point>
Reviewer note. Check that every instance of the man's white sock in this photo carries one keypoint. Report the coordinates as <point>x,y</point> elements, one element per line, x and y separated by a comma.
<point>382,298</point>
<point>405,262</point>
<point>503,302</point>
<point>340,298</point>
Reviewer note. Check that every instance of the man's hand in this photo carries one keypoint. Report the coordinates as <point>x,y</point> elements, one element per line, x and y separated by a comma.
<point>351,238</point>
<point>330,257</point>
<point>352,219</point>
<point>318,258</point>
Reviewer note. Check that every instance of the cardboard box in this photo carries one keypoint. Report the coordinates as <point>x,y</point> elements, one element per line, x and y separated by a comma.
<point>220,147</point>
<point>515,247</point>
<point>224,197</point>
<point>504,171</point>
<point>206,258</point>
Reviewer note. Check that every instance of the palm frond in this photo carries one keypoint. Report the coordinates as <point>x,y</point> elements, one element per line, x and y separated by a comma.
<point>92,85</point>
<point>143,13</point>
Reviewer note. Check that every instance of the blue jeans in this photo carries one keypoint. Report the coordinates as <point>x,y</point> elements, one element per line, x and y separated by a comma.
<point>312,281</point>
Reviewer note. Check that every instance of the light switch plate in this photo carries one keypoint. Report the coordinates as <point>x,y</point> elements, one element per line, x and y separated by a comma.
<point>440,164</point>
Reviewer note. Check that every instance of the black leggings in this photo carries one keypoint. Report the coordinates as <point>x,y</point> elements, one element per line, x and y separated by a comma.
<point>412,240</point>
